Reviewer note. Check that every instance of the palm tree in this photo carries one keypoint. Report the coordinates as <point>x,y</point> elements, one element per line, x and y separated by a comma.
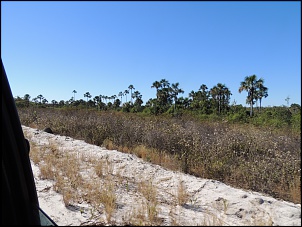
<point>35,100</point>
<point>261,93</point>
<point>54,102</point>
<point>214,91</point>
<point>121,94</point>
<point>109,97</point>
<point>287,100</point>
<point>97,99</point>
<point>175,91</point>
<point>87,94</point>
<point>40,97</point>
<point>131,88</point>
<point>26,98</point>
<point>138,100</point>
<point>157,85</point>
<point>113,97</point>
<point>44,101</point>
<point>203,92</point>
<point>250,84</point>
<point>192,94</point>
<point>203,97</point>
<point>164,83</point>
<point>125,93</point>
<point>104,97</point>
<point>74,91</point>
<point>221,94</point>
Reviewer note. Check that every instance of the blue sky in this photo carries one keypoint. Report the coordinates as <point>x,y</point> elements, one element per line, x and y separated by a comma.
<point>53,48</point>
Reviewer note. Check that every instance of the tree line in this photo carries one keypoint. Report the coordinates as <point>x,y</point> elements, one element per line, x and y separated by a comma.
<point>205,101</point>
<point>216,99</point>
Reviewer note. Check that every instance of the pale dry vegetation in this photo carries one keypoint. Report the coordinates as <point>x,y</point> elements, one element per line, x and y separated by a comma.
<point>244,156</point>
<point>98,188</point>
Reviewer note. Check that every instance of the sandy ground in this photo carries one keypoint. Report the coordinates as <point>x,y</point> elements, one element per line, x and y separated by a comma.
<point>210,202</point>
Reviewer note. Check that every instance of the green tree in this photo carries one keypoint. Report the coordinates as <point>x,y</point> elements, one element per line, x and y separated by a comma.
<point>156,85</point>
<point>113,97</point>
<point>54,103</point>
<point>121,94</point>
<point>164,83</point>
<point>44,101</point>
<point>88,96</point>
<point>97,101</point>
<point>175,90</point>
<point>127,92</point>
<point>184,103</point>
<point>74,92</point>
<point>40,97</point>
<point>165,99</point>
<point>221,96</point>
<point>287,100</point>
<point>61,103</point>
<point>138,101</point>
<point>250,84</point>
<point>131,88</point>
<point>26,99</point>
<point>200,99</point>
<point>116,103</point>
<point>262,92</point>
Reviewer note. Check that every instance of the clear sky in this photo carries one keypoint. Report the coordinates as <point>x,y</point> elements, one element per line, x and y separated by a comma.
<point>53,48</point>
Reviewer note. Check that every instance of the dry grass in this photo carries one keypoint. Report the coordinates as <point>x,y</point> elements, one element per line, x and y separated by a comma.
<point>109,144</point>
<point>148,190</point>
<point>34,154</point>
<point>108,199</point>
<point>136,216</point>
<point>98,168</point>
<point>101,187</point>
<point>244,156</point>
<point>182,194</point>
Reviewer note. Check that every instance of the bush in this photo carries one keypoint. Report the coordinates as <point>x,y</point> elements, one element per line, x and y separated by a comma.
<point>258,158</point>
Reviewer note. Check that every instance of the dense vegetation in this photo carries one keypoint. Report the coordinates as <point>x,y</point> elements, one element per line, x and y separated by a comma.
<point>216,100</point>
<point>263,159</point>
<point>203,135</point>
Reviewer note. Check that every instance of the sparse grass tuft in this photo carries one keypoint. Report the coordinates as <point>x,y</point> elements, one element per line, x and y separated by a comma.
<point>182,194</point>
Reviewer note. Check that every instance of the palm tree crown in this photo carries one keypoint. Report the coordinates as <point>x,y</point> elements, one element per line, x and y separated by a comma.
<point>252,86</point>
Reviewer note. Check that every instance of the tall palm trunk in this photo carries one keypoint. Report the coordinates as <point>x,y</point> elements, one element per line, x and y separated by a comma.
<point>252,97</point>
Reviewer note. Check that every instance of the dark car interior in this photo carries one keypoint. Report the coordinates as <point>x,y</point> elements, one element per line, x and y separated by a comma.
<point>20,205</point>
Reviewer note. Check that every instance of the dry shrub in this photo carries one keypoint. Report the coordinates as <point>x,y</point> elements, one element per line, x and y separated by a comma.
<point>46,171</point>
<point>108,144</point>
<point>295,189</point>
<point>148,189</point>
<point>254,158</point>
<point>137,216</point>
<point>182,194</point>
<point>105,195</point>
<point>71,171</point>
<point>68,196</point>
<point>109,201</point>
<point>60,184</point>
<point>141,151</point>
<point>98,168</point>
<point>124,149</point>
<point>34,152</point>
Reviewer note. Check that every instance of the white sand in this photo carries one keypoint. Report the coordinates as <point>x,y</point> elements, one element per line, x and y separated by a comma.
<point>210,203</point>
